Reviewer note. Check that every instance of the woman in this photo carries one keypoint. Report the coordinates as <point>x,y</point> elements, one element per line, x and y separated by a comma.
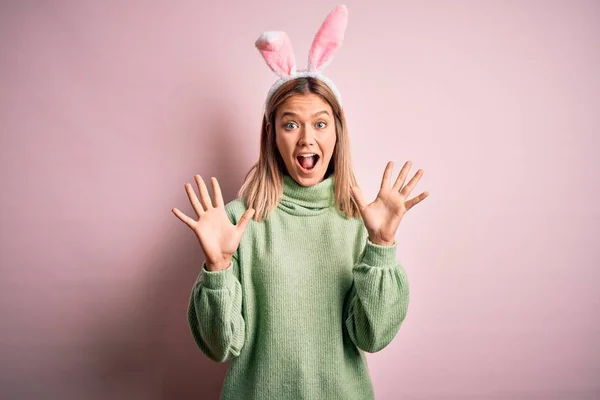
<point>300,276</point>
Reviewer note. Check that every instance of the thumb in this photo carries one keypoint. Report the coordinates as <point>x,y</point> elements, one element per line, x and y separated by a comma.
<point>246,217</point>
<point>358,197</point>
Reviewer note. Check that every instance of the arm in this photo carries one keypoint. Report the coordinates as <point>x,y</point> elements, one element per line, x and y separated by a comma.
<point>215,306</point>
<point>215,313</point>
<point>378,300</point>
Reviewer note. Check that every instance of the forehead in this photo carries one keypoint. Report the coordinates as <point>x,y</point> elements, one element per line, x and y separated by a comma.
<point>305,104</point>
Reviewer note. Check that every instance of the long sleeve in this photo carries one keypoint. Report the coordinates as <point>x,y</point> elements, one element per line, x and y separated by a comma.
<point>378,300</point>
<point>215,313</point>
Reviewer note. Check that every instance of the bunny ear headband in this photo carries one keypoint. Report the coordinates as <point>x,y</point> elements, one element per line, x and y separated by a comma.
<point>276,49</point>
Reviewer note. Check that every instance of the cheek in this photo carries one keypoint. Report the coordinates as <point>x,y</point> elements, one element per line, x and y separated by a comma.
<point>330,143</point>
<point>279,141</point>
<point>283,145</point>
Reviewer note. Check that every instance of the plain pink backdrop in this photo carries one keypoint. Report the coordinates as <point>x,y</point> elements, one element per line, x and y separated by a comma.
<point>108,108</point>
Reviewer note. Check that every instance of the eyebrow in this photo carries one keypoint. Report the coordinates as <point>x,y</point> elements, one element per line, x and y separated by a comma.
<point>289,113</point>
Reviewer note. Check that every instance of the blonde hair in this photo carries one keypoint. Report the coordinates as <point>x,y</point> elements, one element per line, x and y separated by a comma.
<point>263,184</point>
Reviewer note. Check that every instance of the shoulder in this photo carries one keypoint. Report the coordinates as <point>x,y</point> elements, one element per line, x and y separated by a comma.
<point>355,223</point>
<point>235,209</point>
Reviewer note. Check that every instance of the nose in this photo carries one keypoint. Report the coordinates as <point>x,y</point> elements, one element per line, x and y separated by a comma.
<point>307,136</point>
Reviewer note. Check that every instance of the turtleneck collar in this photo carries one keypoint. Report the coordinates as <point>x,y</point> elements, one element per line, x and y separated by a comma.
<point>307,200</point>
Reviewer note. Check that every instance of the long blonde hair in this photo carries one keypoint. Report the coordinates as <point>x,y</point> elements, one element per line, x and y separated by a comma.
<point>263,184</point>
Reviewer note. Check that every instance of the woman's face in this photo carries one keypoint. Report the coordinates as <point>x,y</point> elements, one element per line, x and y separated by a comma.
<point>305,136</point>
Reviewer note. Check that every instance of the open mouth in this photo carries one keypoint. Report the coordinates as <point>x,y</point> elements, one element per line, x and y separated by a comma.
<point>307,162</point>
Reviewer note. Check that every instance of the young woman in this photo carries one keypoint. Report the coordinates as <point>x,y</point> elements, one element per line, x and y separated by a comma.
<point>300,276</point>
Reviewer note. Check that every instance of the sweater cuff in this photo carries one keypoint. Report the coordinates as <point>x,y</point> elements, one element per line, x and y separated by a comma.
<point>215,279</point>
<point>379,256</point>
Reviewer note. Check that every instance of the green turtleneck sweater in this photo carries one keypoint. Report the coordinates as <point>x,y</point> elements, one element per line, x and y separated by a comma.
<point>305,295</point>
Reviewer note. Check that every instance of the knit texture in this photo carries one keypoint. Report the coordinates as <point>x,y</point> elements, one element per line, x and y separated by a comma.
<point>306,294</point>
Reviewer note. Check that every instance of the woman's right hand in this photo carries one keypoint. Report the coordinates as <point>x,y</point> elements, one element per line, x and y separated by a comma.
<point>218,237</point>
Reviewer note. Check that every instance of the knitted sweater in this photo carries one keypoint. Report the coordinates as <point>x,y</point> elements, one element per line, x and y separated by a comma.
<point>306,293</point>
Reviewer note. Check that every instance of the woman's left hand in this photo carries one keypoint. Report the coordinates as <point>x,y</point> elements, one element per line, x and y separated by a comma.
<point>382,217</point>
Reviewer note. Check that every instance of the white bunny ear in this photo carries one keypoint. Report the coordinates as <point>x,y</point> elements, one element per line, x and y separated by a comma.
<point>328,39</point>
<point>276,49</point>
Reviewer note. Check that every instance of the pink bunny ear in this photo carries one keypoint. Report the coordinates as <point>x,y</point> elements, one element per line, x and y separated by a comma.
<point>276,49</point>
<point>328,39</point>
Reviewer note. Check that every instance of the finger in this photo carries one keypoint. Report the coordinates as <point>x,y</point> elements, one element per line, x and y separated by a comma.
<point>402,175</point>
<point>217,191</point>
<point>204,196</point>
<point>194,199</point>
<point>246,217</point>
<point>385,182</point>
<point>358,197</point>
<point>415,200</point>
<point>187,220</point>
<point>411,184</point>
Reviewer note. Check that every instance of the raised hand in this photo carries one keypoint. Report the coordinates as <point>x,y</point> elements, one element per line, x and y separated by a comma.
<point>218,237</point>
<point>382,217</point>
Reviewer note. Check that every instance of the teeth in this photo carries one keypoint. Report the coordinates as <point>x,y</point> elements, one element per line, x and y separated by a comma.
<point>306,155</point>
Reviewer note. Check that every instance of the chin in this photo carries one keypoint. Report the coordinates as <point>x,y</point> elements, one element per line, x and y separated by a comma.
<point>308,181</point>
<point>309,178</point>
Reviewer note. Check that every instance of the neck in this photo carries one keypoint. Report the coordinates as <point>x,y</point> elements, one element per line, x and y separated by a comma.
<point>307,200</point>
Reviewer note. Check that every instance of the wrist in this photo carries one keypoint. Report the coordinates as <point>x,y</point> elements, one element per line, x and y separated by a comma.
<point>217,266</point>
<point>382,242</point>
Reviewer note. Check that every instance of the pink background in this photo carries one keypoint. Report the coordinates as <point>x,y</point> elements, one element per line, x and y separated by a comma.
<point>108,108</point>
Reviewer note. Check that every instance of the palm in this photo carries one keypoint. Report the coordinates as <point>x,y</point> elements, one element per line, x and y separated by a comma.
<point>383,216</point>
<point>218,237</point>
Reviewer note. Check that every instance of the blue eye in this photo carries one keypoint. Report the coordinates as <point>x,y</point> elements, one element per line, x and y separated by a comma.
<point>290,125</point>
<point>321,125</point>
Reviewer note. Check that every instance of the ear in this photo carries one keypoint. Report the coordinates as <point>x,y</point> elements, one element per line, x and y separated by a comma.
<point>276,49</point>
<point>328,39</point>
<point>270,128</point>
